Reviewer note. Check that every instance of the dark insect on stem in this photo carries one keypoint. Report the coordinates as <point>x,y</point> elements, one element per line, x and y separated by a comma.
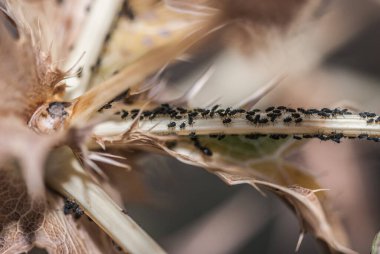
<point>288,119</point>
<point>250,118</point>
<point>124,114</point>
<point>182,126</point>
<point>214,108</point>
<point>263,121</point>
<point>205,113</point>
<point>221,136</point>
<point>127,11</point>
<point>206,151</point>
<point>296,115</point>
<point>302,110</point>
<point>78,212</point>
<point>227,121</point>
<point>71,207</point>
<point>171,125</point>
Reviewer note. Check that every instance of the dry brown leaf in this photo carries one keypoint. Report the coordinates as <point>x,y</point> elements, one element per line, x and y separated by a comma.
<point>307,207</point>
<point>238,161</point>
<point>26,223</point>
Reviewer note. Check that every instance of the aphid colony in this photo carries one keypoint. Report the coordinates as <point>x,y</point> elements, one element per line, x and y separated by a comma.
<point>256,116</point>
<point>71,207</point>
<point>181,118</point>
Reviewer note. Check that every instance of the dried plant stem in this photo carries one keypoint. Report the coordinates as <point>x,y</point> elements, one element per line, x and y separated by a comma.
<point>65,175</point>
<point>90,43</point>
<point>349,126</point>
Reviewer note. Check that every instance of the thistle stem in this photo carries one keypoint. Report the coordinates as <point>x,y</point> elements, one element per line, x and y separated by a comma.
<point>65,175</point>
<point>348,125</point>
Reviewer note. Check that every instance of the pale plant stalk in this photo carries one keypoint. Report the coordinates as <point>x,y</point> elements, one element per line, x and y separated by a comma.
<point>348,125</point>
<point>75,183</point>
<point>90,43</point>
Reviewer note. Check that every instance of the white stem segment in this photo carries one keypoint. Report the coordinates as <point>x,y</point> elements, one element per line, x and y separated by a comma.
<point>65,175</point>
<point>349,125</point>
<point>90,43</point>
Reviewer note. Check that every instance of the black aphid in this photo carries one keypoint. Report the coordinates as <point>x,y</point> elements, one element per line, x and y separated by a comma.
<point>274,136</point>
<point>78,212</point>
<point>269,109</point>
<point>288,119</point>
<point>249,118</point>
<point>323,114</point>
<point>326,110</point>
<point>182,125</point>
<point>302,110</point>
<point>362,136</point>
<point>71,207</point>
<point>205,113</point>
<point>227,121</point>
<point>172,124</point>
<point>182,110</point>
<point>214,108</point>
<point>296,115</point>
<point>124,114</point>
<point>206,151</point>
<point>263,120</point>
<point>371,114</point>
<point>68,206</point>
<point>221,136</point>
